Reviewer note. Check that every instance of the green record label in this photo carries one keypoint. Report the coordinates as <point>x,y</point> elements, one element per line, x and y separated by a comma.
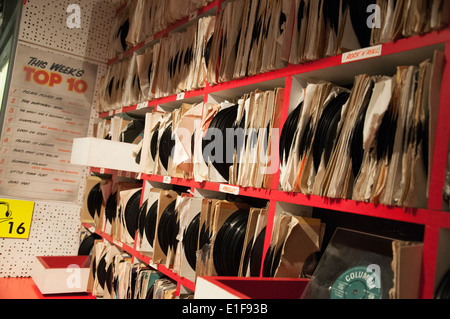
<point>357,283</point>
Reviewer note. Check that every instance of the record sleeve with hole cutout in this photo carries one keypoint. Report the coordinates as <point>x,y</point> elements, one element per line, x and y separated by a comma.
<point>355,265</point>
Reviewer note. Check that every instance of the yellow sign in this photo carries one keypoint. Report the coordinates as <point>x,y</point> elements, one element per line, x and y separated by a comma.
<point>15,218</point>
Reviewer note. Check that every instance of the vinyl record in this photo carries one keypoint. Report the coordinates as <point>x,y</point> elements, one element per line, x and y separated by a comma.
<point>94,201</point>
<point>204,237</point>
<point>288,132</point>
<point>131,213</point>
<point>229,244</point>
<point>355,265</point>
<point>154,144</point>
<point>326,131</point>
<point>111,207</point>
<point>150,223</point>
<point>122,34</point>
<point>356,283</point>
<point>268,261</point>
<point>358,14</point>
<point>166,145</point>
<point>356,148</point>
<point>217,155</point>
<point>272,261</point>
<point>168,228</point>
<point>87,244</point>
<point>190,241</point>
<point>109,278</point>
<point>386,135</point>
<point>101,271</point>
<point>141,219</point>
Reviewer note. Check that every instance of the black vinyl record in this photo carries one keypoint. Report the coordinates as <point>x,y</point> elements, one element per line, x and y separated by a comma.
<point>122,34</point>
<point>87,244</point>
<point>154,144</point>
<point>94,201</point>
<point>326,132</point>
<point>229,244</point>
<point>109,278</point>
<point>101,271</point>
<point>166,145</point>
<point>204,237</point>
<point>190,241</point>
<point>132,210</point>
<point>141,219</point>
<point>224,119</point>
<point>150,223</point>
<point>168,228</point>
<point>111,207</point>
<point>356,148</point>
<point>288,132</point>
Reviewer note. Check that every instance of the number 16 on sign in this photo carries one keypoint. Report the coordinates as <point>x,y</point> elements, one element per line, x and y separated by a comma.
<point>15,218</point>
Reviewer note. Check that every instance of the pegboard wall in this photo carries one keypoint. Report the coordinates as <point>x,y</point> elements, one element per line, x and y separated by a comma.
<point>55,227</point>
<point>44,23</point>
<point>54,232</point>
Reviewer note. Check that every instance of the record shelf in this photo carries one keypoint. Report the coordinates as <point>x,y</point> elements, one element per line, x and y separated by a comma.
<point>435,221</point>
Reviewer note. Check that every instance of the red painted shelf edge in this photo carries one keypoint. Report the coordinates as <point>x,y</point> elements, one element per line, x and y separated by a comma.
<point>409,215</point>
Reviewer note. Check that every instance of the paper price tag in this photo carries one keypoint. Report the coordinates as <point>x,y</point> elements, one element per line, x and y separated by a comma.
<point>180,96</point>
<point>142,105</point>
<point>229,189</point>
<point>92,229</point>
<point>102,171</point>
<point>15,218</point>
<point>153,265</point>
<point>167,180</point>
<point>362,54</point>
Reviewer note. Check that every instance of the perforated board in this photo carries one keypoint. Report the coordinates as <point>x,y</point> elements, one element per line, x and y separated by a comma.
<point>54,232</point>
<point>44,23</point>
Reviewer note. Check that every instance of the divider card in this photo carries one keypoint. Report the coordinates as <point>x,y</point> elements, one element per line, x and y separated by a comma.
<point>49,104</point>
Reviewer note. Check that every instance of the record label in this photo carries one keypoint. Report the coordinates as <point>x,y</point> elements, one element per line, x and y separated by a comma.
<point>357,283</point>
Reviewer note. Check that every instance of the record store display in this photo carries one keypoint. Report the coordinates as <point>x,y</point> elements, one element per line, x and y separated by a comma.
<point>238,160</point>
<point>364,143</point>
